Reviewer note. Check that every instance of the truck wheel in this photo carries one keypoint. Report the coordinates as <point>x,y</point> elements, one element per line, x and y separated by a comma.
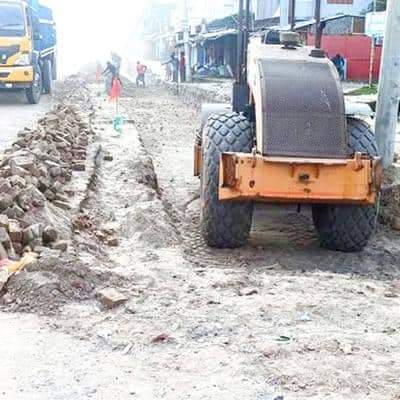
<point>47,77</point>
<point>224,224</point>
<point>34,93</point>
<point>348,228</point>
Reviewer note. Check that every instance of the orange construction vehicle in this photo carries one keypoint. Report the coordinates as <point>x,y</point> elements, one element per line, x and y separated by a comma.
<point>288,137</point>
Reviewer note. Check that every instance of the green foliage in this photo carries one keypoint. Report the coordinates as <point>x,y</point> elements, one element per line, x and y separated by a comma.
<point>365,90</point>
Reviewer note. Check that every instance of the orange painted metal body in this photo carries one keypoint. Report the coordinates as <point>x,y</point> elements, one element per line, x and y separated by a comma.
<point>296,180</point>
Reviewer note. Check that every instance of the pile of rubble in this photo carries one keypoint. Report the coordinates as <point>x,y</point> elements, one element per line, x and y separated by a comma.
<point>33,173</point>
<point>74,90</point>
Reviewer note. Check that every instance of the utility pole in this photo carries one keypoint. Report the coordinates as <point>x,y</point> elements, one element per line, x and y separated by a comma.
<point>186,40</point>
<point>318,30</point>
<point>292,14</point>
<point>389,85</point>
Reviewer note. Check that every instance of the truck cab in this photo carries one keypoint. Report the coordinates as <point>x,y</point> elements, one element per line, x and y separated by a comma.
<point>27,48</point>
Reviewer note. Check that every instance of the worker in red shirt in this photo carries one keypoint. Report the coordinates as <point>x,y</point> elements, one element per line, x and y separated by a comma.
<point>141,72</point>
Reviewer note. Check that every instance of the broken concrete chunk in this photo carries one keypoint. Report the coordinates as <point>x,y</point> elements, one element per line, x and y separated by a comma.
<point>3,252</point>
<point>50,234</point>
<point>3,221</point>
<point>113,242</point>
<point>61,245</point>
<point>40,249</point>
<point>55,171</point>
<point>5,186</point>
<point>32,233</point>
<point>56,187</point>
<point>111,297</point>
<point>43,184</point>
<point>15,231</point>
<point>62,205</point>
<point>16,180</point>
<point>79,166</point>
<point>6,200</point>
<point>49,195</point>
<point>31,197</point>
<point>110,228</point>
<point>14,212</point>
<point>5,172</point>
<point>15,170</point>
<point>25,162</point>
<point>5,239</point>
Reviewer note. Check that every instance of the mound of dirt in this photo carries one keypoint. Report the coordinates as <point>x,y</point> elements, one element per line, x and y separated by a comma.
<point>390,201</point>
<point>52,282</point>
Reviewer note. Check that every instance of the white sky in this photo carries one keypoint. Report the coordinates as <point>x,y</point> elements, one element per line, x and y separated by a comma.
<point>91,29</point>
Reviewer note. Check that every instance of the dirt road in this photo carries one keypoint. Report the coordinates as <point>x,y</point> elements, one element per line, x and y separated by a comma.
<point>278,319</point>
<point>16,114</point>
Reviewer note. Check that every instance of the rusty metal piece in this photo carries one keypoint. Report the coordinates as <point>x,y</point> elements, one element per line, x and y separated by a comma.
<point>298,180</point>
<point>228,169</point>
<point>357,162</point>
<point>197,160</point>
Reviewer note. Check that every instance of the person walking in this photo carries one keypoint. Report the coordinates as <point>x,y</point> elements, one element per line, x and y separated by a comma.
<point>141,72</point>
<point>339,63</point>
<point>110,73</point>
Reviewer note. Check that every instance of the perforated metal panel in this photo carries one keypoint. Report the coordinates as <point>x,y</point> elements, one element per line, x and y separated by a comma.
<point>303,105</point>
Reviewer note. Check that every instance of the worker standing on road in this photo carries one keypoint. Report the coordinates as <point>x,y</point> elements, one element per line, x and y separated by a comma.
<point>339,63</point>
<point>110,73</point>
<point>141,72</point>
<point>173,65</point>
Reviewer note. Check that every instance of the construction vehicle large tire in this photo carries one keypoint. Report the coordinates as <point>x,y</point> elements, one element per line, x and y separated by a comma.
<point>47,77</point>
<point>224,224</point>
<point>348,228</point>
<point>34,93</point>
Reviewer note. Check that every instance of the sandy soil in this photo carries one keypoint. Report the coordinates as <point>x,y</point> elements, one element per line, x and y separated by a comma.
<point>278,319</point>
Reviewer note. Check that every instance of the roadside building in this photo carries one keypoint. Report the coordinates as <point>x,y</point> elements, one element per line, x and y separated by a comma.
<point>342,34</point>
<point>305,8</point>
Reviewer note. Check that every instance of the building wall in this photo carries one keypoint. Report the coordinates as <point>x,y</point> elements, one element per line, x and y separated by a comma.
<point>329,7</point>
<point>305,8</point>
<point>356,49</point>
<point>343,26</point>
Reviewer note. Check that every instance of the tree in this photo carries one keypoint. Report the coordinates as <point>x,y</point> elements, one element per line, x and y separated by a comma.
<point>380,5</point>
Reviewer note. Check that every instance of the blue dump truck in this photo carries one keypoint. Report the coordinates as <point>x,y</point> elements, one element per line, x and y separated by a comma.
<point>28,48</point>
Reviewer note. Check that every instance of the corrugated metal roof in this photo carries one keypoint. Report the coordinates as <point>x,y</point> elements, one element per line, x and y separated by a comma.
<point>305,24</point>
<point>210,36</point>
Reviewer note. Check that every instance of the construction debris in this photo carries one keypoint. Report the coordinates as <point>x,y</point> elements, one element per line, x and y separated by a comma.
<point>390,200</point>
<point>35,171</point>
<point>9,268</point>
<point>111,298</point>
